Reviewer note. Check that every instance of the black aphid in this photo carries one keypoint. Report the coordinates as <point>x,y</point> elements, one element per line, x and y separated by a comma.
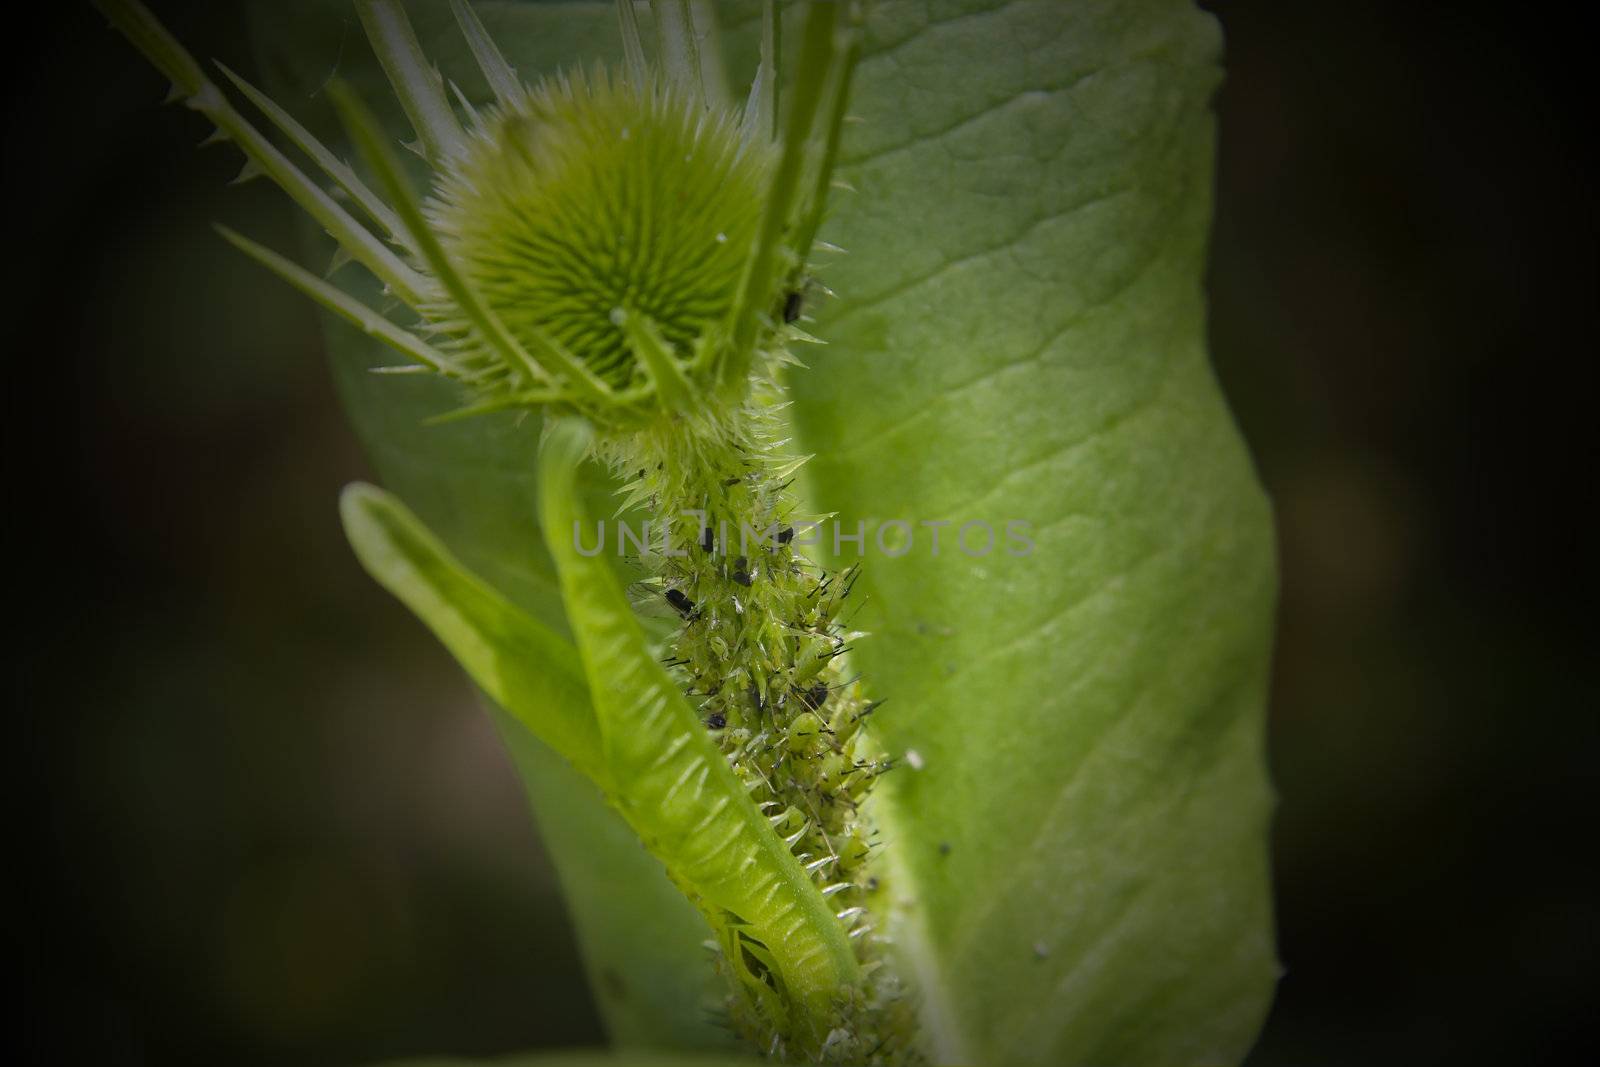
<point>741,572</point>
<point>786,535</point>
<point>684,605</point>
<point>793,304</point>
<point>817,695</point>
<point>708,539</point>
<point>716,720</point>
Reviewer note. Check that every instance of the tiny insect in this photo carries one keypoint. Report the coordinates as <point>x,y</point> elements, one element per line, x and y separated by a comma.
<point>793,304</point>
<point>684,605</point>
<point>716,720</point>
<point>741,574</point>
<point>817,695</point>
<point>708,539</point>
<point>786,535</point>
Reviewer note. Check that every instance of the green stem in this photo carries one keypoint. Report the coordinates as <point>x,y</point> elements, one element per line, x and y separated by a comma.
<point>677,791</point>
<point>816,59</point>
<point>761,654</point>
<point>812,221</point>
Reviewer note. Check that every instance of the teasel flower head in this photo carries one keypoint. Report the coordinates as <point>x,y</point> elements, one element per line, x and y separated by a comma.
<point>618,244</point>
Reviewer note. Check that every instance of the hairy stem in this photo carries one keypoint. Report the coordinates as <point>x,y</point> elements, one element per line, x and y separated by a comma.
<point>760,652</point>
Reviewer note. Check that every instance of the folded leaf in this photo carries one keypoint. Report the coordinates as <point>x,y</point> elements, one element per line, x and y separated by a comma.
<point>525,667</point>
<point>635,959</point>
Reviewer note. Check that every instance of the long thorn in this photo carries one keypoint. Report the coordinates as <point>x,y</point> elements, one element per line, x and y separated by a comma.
<point>489,407</point>
<point>416,84</point>
<point>502,79</point>
<point>344,305</point>
<point>190,83</point>
<point>332,165</point>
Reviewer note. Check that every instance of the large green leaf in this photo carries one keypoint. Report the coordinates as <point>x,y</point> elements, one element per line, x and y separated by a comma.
<point>1077,847</point>
<point>1081,858</point>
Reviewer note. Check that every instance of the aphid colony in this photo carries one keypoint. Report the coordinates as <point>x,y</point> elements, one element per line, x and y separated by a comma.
<point>784,715</point>
<point>759,646</point>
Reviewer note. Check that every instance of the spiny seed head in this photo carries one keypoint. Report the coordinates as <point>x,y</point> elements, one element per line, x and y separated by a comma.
<point>592,199</point>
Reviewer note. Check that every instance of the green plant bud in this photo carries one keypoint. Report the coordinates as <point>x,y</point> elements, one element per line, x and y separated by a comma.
<point>608,217</point>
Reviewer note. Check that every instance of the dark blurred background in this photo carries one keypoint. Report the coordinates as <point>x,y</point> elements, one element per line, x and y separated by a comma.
<point>265,823</point>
